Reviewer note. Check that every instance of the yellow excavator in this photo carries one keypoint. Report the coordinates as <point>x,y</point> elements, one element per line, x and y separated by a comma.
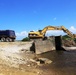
<point>41,33</point>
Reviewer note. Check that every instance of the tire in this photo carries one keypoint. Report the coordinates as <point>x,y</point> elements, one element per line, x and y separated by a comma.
<point>13,40</point>
<point>8,39</point>
<point>2,39</point>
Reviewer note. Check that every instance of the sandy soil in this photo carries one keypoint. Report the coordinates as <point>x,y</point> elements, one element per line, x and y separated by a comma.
<point>15,59</point>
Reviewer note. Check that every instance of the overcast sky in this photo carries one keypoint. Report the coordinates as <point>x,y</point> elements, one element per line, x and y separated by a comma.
<point>27,15</point>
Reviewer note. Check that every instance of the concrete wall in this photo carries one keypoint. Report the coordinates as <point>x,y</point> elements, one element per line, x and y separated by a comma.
<point>42,46</point>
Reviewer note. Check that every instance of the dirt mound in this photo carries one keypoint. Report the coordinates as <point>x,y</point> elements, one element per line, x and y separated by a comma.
<point>68,43</point>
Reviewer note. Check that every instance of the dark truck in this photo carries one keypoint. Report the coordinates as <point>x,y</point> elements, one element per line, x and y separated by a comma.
<point>7,35</point>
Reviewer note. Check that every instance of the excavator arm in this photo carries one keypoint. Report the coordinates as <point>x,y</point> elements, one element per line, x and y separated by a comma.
<point>69,33</point>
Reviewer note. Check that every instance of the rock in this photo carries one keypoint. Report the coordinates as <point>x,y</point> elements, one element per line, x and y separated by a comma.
<point>28,65</point>
<point>40,61</point>
<point>45,61</point>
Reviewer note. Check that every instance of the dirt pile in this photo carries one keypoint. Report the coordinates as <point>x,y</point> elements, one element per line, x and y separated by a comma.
<point>68,43</point>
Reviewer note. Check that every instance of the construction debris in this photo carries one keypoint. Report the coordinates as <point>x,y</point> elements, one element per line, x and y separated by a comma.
<point>41,61</point>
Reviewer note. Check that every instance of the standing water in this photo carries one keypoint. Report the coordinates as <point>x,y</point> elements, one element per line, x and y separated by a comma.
<point>63,63</point>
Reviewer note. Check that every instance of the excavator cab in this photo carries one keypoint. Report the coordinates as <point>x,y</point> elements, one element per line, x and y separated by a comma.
<point>39,30</point>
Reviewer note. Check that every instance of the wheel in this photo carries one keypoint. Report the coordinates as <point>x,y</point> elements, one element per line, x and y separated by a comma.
<point>13,40</point>
<point>8,39</point>
<point>2,39</point>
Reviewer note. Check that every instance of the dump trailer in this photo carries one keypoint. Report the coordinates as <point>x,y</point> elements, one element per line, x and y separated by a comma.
<point>7,35</point>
